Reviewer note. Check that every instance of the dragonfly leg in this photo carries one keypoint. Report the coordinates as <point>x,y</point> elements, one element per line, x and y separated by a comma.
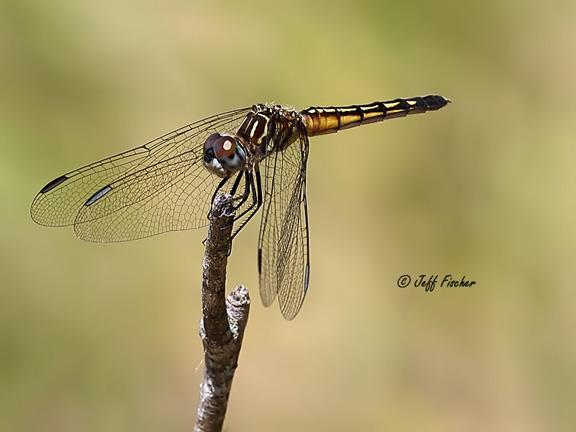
<point>251,191</point>
<point>220,185</point>
<point>256,187</point>
<point>236,184</point>
<point>242,199</point>
<point>250,188</point>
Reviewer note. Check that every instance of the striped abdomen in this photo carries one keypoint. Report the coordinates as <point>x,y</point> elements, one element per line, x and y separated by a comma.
<point>323,120</point>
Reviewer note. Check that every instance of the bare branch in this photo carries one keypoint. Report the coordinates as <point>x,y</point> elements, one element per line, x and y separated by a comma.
<point>223,320</point>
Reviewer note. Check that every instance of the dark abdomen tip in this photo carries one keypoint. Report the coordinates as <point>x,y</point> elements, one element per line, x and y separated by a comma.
<point>435,102</point>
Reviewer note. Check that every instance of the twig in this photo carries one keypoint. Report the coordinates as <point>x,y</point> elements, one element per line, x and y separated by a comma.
<point>223,321</point>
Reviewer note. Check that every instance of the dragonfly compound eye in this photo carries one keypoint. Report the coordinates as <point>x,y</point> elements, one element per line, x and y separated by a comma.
<point>224,147</point>
<point>223,155</point>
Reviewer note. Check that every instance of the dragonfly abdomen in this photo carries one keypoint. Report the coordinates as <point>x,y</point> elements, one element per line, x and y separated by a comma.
<point>323,120</point>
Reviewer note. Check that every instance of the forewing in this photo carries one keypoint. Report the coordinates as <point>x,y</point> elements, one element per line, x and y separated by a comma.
<point>160,186</point>
<point>283,246</point>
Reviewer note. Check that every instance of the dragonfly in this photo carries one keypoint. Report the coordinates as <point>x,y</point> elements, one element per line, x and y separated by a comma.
<point>256,154</point>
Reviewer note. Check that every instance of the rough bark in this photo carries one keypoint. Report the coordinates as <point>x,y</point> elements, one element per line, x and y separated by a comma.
<point>223,320</point>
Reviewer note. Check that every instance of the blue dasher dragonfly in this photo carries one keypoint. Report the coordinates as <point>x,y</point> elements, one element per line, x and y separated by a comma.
<point>256,154</point>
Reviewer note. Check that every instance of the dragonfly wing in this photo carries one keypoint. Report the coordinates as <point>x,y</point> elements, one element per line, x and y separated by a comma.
<point>160,186</point>
<point>170,195</point>
<point>283,246</point>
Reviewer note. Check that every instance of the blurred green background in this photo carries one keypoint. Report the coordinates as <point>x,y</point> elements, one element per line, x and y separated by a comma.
<point>104,337</point>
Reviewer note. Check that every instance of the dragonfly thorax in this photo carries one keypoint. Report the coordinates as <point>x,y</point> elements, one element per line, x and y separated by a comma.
<point>268,128</point>
<point>224,154</point>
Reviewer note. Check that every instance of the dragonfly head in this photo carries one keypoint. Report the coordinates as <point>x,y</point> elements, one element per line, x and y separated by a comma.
<point>224,154</point>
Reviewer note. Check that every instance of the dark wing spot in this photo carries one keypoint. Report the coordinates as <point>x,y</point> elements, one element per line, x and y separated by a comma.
<point>259,261</point>
<point>98,195</point>
<point>54,183</point>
